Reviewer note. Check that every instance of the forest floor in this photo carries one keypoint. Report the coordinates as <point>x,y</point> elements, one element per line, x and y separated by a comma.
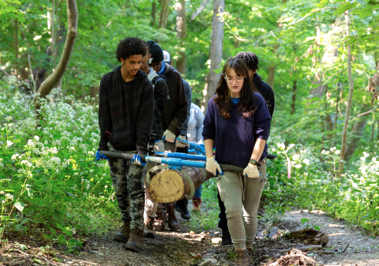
<point>347,246</point>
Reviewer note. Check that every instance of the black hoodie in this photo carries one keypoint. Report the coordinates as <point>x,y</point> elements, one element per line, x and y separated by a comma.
<point>126,111</point>
<point>266,91</point>
<point>175,111</point>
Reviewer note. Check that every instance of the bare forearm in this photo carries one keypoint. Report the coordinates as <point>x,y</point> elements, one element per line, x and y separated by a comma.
<point>258,149</point>
<point>208,145</point>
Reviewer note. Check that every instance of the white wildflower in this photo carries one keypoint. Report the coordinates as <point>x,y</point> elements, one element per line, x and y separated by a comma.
<point>298,166</point>
<point>296,157</point>
<point>281,146</point>
<point>9,143</point>
<point>337,152</point>
<point>27,163</point>
<point>8,118</point>
<point>36,138</point>
<point>306,161</point>
<point>14,156</point>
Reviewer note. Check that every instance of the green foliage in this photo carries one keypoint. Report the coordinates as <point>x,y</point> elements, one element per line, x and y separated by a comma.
<point>51,185</point>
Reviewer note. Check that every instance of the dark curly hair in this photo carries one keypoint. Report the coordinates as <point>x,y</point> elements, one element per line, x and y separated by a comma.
<point>130,46</point>
<point>250,59</point>
<point>222,99</point>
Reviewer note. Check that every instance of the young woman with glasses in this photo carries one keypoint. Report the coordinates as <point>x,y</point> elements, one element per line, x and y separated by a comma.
<point>237,124</point>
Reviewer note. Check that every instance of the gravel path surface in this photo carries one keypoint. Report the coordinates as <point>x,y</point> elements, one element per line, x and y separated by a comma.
<point>361,249</point>
<point>347,246</point>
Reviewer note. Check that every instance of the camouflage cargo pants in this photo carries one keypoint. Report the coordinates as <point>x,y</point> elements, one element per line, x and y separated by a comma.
<point>128,185</point>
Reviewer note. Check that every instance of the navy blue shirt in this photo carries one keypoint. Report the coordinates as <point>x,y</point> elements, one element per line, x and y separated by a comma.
<point>235,137</point>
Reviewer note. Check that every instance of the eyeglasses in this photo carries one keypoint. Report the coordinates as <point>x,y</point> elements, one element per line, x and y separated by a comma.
<point>229,80</point>
<point>156,66</point>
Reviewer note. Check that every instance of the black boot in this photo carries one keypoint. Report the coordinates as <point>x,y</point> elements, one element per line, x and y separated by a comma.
<point>181,207</point>
<point>226,238</point>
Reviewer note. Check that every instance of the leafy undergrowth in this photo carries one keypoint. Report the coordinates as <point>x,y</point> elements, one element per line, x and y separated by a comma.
<point>51,185</point>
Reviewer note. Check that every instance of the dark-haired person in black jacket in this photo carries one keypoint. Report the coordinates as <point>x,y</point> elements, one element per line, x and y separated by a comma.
<point>173,116</point>
<point>155,54</point>
<point>126,111</point>
<point>267,92</point>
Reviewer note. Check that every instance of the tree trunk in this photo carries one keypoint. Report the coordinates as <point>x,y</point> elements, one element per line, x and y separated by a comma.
<point>181,31</point>
<point>16,44</point>
<point>271,75</point>
<point>356,133</point>
<point>216,48</point>
<point>153,14</point>
<point>198,11</point>
<point>54,78</point>
<point>349,101</point>
<point>164,13</point>
<point>373,126</point>
<point>294,97</point>
<point>328,119</point>
<point>339,95</point>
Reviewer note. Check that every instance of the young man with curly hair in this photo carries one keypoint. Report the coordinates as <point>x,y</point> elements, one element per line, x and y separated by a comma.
<point>126,113</point>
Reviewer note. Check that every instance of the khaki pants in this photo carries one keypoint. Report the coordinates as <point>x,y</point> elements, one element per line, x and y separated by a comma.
<point>242,208</point>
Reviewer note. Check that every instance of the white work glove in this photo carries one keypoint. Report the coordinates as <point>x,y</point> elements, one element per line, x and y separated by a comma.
<point>251,171</point>
<point>180,145</point>
<point>169,136</point>
<point>213,166</point>
<point>159,145</point>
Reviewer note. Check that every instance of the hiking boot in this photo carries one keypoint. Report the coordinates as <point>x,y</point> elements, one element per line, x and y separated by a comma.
<point>160,221</point>
<point>149,226</point>
<point>251,252</point>
<point>123,236</point>
<point>181,207</point>
<point>242,257</point>
<point>196,204</point>
<point>173,223</point>
<point>135,240</point>
<point>226,238</point>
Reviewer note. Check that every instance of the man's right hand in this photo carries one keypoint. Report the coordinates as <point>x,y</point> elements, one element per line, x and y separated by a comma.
<point>169,136</point>
<point>100,156</point>
<point>213,166</point>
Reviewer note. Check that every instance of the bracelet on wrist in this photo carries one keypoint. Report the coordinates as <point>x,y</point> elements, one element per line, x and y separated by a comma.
<point>254,162</point>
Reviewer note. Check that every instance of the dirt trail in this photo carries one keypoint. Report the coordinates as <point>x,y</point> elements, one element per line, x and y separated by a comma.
<point>182,248</point>
<point>361,249</point>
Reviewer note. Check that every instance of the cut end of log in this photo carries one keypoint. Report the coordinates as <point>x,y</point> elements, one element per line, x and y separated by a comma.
<point>167,186</point>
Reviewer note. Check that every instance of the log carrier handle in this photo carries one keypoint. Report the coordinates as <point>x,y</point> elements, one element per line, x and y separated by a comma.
<point>129,156</point>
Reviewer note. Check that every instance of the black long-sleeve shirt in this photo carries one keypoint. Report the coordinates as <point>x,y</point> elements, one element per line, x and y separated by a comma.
<point>175,110</point>
<point>266,91</point>
<point>126,111</point>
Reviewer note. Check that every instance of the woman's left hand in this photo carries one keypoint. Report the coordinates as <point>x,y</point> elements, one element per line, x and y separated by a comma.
<point>251,171</point>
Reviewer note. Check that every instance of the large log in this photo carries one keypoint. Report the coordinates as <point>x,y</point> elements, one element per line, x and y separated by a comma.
<point>173,185</point>
<point>167,185</point>
<point>170,185</point>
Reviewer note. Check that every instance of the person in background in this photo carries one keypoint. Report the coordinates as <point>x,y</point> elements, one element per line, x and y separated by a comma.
<point>126,111</point>
<point>194,134</point>
<point>264,89</point>
<point>237,124</point>
<point>182,205</point>
<point>173,116</point>
<point>155,54</point>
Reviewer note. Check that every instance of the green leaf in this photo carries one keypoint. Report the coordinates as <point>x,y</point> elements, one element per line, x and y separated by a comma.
<point>304,220</point>
<point>19,206</point>
<point>37,260</point>
<point>345,6</point>
<point>52,230</point>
